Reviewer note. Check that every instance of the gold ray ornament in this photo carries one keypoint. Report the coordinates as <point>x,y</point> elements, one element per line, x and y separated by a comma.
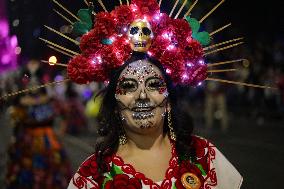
<point>60,51</point>
<point>224,48</point>
<point>127,2</point>
<point>160,2</point>
<point>225,62</point>
<point>209,13</point>
<point>221,71</point>
<point>240,83</point>
<point>62,16</point>
<point>120,1</point>
<point>181,8</point>
<point>58,46</point>
<point>220,29</point>
<point>33,89</point>
<point>62,35</point>
<point>86,2</point>
<point>102,5</point>
<point>66,10</point>
<point>54,64</point>
<point>173,9</point>
<point>191,8</point>
<point>222,43</point>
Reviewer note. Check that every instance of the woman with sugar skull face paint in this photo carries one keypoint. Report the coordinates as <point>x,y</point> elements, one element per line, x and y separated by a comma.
<point>145,137</point>
<point>142,96</point>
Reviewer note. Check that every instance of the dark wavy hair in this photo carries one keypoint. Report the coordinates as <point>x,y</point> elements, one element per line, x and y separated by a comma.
<point>109,128</point>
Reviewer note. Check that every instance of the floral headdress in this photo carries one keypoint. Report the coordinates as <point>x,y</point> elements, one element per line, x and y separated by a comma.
<point>108,40</point>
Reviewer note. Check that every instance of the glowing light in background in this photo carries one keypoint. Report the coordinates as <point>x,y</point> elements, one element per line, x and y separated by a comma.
<point>52,60</point>
<point>4,29</point>
<point>18,50</point>
<point>14,41</point>
<point>8,47</point>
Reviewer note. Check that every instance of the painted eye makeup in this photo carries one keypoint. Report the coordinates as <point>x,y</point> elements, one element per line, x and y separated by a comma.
<point>155,83</point>
<point>128,85</point>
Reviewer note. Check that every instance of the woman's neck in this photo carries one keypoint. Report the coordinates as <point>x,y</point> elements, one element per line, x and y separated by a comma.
<point>154,141</point>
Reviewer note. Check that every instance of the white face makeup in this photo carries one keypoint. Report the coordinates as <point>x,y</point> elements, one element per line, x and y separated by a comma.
<point>141,94</point>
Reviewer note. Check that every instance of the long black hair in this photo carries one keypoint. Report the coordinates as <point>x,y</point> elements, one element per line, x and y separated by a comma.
<point>109,128</point>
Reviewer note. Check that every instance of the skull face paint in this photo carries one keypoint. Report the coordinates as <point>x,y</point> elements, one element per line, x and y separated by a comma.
<point>141,94</point>
<point>140,35</point>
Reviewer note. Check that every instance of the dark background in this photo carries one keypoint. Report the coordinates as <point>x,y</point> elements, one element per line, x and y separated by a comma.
<point>255,20</point>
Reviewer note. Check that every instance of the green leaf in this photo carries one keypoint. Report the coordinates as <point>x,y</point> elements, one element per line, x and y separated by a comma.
<point>201,169</point>
<point>115,170</point>
<point>174,186</point>
<point>194,24</point>
<point>108,178</point>
<point>80,28</point>
<point>203,37</point>
<point>85,16</point>
<point>85,24</point>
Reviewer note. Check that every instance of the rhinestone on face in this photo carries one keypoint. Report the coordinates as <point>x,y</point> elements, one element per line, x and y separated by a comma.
<point>141,71</point>
<point>142,115</point>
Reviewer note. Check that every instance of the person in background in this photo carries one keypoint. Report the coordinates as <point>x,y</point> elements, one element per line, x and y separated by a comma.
<point>37,159</point>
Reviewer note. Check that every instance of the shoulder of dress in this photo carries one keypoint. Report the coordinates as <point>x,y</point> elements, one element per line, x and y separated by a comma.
<point>89,167</point>
<point>200,142</point>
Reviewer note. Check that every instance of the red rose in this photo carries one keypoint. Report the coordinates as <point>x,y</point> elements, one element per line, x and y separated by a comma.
<point>110,59</point>
<point>105,25</point>
<point>200,146</point>
<point>89,168</point>
<point>173,62</point>
<point>193,51</point>
<point>123,16</point>
<point>123,181</point>
<point>90,43</point>
<point>83,70</point>
<point>197,73</point>
<point>123,48</point>
<point>79,70</point>
<point>160,23</point>
<point>159,46</point>
<point>180,30</point>
<point>149,8</point>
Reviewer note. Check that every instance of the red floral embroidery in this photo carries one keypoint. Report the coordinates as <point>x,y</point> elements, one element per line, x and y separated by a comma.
<point>212,177</point>
<point>132,179</point>
<point>82,182</point>
<point>167,184</point>
<point>123,181</point>
<point>206,154</point>
<point>89,168</point>
<point>128,169</point>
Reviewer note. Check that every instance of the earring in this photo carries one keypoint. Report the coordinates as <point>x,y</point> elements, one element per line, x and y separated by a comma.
<point>171,129</point>
<point>122,139</point>
<point>122,136</point>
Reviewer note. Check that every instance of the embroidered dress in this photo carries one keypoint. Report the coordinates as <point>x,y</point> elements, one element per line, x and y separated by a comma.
<point>211,167</point>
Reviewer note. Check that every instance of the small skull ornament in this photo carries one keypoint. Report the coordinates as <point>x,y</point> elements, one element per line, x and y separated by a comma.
<point>140,35</point>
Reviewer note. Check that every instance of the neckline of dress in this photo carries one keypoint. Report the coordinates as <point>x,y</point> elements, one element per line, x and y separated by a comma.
<point>142,176</point>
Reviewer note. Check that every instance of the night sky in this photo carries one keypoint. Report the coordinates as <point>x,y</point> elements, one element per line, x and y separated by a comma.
<point>256,20</point>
